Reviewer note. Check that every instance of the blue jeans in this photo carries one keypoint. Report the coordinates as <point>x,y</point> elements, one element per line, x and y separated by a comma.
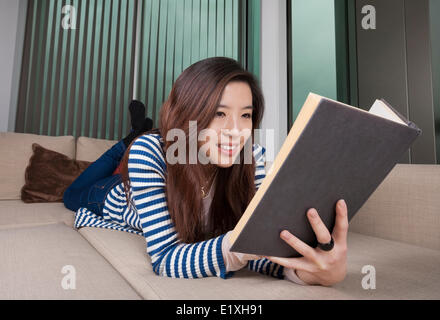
<point>90,189</point>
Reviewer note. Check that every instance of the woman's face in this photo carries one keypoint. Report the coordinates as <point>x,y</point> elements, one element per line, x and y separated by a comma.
<point>232,125</point>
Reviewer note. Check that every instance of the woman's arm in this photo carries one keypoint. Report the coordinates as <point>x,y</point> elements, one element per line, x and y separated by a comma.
<point>169,256</point>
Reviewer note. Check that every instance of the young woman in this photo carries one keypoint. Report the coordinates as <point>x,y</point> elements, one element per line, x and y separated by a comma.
<point>187,209</point>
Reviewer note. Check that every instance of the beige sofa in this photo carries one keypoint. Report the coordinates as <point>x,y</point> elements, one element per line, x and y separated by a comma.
<point>394,240</point>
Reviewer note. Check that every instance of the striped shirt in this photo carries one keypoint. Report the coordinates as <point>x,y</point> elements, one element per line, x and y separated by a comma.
<point>147,214</point>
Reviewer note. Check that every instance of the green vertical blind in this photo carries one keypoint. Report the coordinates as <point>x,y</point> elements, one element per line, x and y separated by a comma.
<point>77,81</point>
<point>253,16</point>
<point>177,33</point>
<point>80,81</point>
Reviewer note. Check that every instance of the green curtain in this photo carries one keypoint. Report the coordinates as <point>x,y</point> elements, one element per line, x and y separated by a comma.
<point>177,33</point>
<point>253,23</point>
<point>77,81</point>
<point>80,81</point>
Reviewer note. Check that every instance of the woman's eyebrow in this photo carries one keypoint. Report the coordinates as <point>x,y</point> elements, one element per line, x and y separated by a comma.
<point>227,107</point>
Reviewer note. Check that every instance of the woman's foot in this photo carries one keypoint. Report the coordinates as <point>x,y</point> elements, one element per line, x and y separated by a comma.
<point>137,115</point>
<point>138,121</point>
<point>147,124</point>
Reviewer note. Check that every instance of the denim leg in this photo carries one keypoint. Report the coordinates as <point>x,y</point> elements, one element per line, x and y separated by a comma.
<point>101,168</point>
<point>99,172</point>
<point>98,193</point>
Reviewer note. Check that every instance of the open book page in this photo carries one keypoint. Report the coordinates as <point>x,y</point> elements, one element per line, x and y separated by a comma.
<point>381,109</point>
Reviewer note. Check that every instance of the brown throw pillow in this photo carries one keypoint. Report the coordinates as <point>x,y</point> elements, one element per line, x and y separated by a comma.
<point>49,174</point>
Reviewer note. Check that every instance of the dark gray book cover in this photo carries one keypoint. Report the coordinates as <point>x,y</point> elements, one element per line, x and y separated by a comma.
<point>342,153</point>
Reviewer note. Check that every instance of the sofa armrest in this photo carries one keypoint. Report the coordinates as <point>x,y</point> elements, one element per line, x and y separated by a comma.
<point>405,207</point>
<point>16,150</point>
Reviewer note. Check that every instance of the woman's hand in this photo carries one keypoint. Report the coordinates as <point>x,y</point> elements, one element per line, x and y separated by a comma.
<point>318,266</point>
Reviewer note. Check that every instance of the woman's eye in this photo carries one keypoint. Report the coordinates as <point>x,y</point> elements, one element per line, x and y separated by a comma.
<point>222,114</point>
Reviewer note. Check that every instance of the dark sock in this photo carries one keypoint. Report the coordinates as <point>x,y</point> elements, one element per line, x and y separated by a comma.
<point>146,125</point>
<point>137,117</point>
<point>128,139</point>
<point>137,114</point>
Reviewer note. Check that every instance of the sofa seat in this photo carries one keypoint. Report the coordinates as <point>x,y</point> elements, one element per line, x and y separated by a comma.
<point>403,271</point>
<point>396,232</point>
<point>32,262</point>
<point>16,213</point>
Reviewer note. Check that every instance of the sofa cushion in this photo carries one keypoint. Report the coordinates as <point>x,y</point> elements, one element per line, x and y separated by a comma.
<point>32,269</point>
<point>49,174</point>
<point>16,150</point>
<point>16,214</point>
<point>405,207</point>
<point>90,149</point>
<point>402,272</point>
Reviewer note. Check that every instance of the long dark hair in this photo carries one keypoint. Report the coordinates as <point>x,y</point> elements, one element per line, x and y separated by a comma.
<point>195,95</point>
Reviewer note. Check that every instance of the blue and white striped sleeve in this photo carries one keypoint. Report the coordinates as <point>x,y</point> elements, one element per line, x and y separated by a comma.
<point>260,164</point>
<point>264,266</point>
<point>169,256</point>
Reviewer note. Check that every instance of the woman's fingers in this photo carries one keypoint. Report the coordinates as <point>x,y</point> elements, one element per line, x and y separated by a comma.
<point>293,263</point>
<point>300,246</point>
<point>341,225</point>
<point>321,231</point>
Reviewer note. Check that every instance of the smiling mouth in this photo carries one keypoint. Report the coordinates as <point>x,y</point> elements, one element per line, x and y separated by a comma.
<point>228,146</point>
<point>228,149</point>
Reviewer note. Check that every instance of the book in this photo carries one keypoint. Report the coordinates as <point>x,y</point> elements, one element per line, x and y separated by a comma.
<point>333,151</point>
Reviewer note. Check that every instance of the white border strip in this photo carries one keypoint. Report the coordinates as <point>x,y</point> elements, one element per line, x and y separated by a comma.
<point>274,74</point>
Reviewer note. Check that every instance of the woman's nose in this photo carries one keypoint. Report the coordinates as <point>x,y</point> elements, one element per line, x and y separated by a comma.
<point>232,126</point>
<point>232,132</point>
